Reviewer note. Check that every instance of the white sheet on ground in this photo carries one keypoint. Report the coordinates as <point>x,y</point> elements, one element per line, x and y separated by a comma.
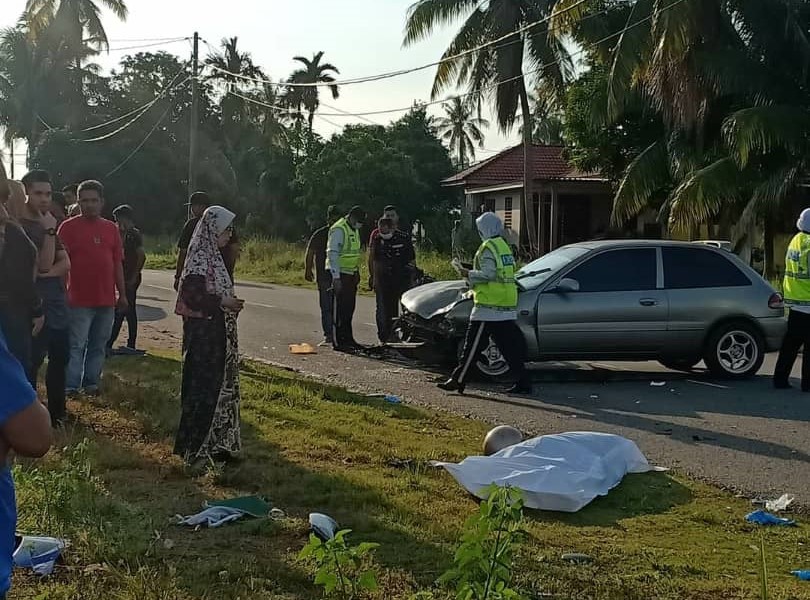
<point>561,472</point>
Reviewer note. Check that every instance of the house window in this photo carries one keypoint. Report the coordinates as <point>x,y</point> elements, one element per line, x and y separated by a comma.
<point>507,213</point>
<point>487,205</point>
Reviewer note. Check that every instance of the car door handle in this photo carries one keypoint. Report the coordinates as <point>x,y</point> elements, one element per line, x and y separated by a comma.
<point>648,302</point>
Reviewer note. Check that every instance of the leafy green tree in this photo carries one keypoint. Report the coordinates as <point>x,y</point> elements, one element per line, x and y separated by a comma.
<point>499,70</point>
<point>460,129</point>
<point>312,72</point>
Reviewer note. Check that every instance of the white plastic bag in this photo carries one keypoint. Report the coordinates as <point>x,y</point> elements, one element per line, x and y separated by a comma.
<point>39,554</point>
<point>563,472</point>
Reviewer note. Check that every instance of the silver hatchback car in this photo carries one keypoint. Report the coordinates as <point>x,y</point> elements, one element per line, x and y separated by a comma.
<point>675,302</point>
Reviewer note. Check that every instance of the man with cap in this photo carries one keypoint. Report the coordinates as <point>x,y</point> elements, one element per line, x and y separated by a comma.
<point>343,263</point>
<point>315,270</point>
<point>197,204</point>
<point>134,259</point>
<point>796,288</point>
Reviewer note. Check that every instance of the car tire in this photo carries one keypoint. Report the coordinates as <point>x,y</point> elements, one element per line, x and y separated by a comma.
<point>489,365</point>
<point>686,365</point>
<point>734,350</point>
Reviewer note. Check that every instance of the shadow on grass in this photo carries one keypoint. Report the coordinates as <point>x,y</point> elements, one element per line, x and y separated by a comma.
<point>637,495</point>
<point>263,470</point>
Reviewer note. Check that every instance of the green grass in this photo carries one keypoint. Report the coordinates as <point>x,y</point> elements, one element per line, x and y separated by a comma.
<point>311,448</point>
<point>282,263</point>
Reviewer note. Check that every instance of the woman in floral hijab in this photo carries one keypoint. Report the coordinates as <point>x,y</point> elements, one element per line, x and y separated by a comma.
<point>209,425</point>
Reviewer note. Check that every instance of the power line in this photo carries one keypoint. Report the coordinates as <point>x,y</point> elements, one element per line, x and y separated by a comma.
<point>132,112</point>
<point>141,46</point>
<point>486,88</point>
<point>401,72</point>
<point>141,145</point>
<point>134,119</point>
<point>164,39</point>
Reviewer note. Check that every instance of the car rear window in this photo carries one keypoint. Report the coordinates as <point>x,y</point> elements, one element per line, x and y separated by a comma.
<point>686,268</point>
<point>618,271</point>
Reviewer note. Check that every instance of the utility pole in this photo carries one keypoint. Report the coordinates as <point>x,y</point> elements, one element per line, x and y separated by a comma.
<point>195,118</point>
<point>11,148</point>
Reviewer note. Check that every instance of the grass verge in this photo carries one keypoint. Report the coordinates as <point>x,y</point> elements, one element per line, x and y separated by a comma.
<point>282,263</point>
<point>114,487</point>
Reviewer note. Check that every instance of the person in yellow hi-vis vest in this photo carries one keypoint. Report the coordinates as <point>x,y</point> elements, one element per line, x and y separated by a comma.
<point>797,298</point>
<point>494,314</point>
<point>343,264</point>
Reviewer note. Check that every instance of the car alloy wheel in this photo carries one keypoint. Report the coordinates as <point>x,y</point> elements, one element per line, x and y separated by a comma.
<point>737,351</point>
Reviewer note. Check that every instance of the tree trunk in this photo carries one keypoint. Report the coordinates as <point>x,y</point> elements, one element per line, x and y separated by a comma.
<point>768,239</point>
<point>311,122</point>
<point>529,218</point>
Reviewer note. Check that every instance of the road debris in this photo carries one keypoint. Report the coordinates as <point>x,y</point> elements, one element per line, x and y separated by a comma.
<point>781,503</point>
<point>760,517</point>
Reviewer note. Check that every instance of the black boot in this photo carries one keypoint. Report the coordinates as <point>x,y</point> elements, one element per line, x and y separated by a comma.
<point>451,385</point>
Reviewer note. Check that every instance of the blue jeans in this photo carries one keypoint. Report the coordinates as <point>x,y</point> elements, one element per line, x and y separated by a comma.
<point>90,329</point>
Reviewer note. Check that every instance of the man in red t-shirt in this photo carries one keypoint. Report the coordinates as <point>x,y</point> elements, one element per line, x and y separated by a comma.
<point>97,270</point>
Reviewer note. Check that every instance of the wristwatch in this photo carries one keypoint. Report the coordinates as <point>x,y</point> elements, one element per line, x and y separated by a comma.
<point>50,231</point>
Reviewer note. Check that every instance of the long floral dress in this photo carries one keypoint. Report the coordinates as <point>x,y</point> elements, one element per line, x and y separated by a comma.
<point>209,424</point>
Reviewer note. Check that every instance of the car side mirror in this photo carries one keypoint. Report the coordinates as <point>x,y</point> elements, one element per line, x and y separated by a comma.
<point>567,286</point>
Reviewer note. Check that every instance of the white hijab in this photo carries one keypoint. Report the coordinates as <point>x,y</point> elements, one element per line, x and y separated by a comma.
<point>489,226</point>
<point>803,223</point>
<point>204,256</point>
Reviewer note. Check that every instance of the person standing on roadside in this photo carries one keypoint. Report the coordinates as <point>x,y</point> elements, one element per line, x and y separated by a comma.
<point>58,207</point>
<point>25,430</point>
<point>97,271</point>
<point>315,270</point>
<point>343,262</point>
<point>21,311</point>
<point>390,258</point>
<point>494,314</point>
<point>134,259</point>
<point>197,203</point>
<point>209,425</point>
<point>53,265</point>
<point>796,289</point>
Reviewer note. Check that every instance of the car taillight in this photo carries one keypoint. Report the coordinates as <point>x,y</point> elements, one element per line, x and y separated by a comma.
<point>776,301</point>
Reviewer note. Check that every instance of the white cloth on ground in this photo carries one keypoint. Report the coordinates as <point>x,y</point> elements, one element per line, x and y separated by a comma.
<point>214,516</point>
<point>562,472</point>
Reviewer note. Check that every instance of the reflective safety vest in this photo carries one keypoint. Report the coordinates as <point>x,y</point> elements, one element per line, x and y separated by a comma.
<point>501,294</point>
<point>349,260</point>
<point>797,275</point>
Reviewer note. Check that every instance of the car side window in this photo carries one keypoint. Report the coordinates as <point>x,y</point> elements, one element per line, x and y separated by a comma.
<point>686,268</point>
<point>625,270</point>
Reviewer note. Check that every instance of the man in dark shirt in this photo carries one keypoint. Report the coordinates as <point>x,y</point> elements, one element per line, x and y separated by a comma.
<point>21,313</point>
<point>315,270</point>
<point>53,265</point>
<point>197,203</point>
<point>134,259</point>
<point>390,257</point>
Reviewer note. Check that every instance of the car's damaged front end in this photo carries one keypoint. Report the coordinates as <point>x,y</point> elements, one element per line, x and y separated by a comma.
<point>435,314</point>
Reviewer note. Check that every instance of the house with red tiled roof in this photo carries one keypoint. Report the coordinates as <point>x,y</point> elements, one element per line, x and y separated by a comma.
<point>569,205</point>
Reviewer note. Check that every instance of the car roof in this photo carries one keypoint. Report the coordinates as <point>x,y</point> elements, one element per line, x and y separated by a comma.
<point>600,244</point>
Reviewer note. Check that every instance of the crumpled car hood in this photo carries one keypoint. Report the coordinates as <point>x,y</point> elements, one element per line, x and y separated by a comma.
<point>434,299</point>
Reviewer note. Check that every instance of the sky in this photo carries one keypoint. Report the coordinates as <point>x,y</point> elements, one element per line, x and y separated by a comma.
<point>360,37</point>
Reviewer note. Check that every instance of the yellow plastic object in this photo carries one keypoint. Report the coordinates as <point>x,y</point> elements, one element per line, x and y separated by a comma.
<point>302,349</point>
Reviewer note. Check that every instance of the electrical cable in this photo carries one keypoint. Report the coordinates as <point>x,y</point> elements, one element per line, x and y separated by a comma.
<point>141,145</point>
<point>175,41</point>
<point>401,72</point>
<point>486,88</point>
<point>136,118</point>
<point>132,112</point>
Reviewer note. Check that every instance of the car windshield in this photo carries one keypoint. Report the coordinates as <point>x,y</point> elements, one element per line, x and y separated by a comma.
<point>537,272</point>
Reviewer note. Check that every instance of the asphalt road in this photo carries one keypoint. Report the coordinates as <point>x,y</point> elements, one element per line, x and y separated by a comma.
<point>743,436</point>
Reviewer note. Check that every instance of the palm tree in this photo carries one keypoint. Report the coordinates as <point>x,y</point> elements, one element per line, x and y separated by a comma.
<point>728,79</point>
<point>313,72</point>
<point>78,22</point>
<point>498,71</point>
<point>231,63</point>
<point>460,129</point>
<point>73,30</point>
<point>547,123</point>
